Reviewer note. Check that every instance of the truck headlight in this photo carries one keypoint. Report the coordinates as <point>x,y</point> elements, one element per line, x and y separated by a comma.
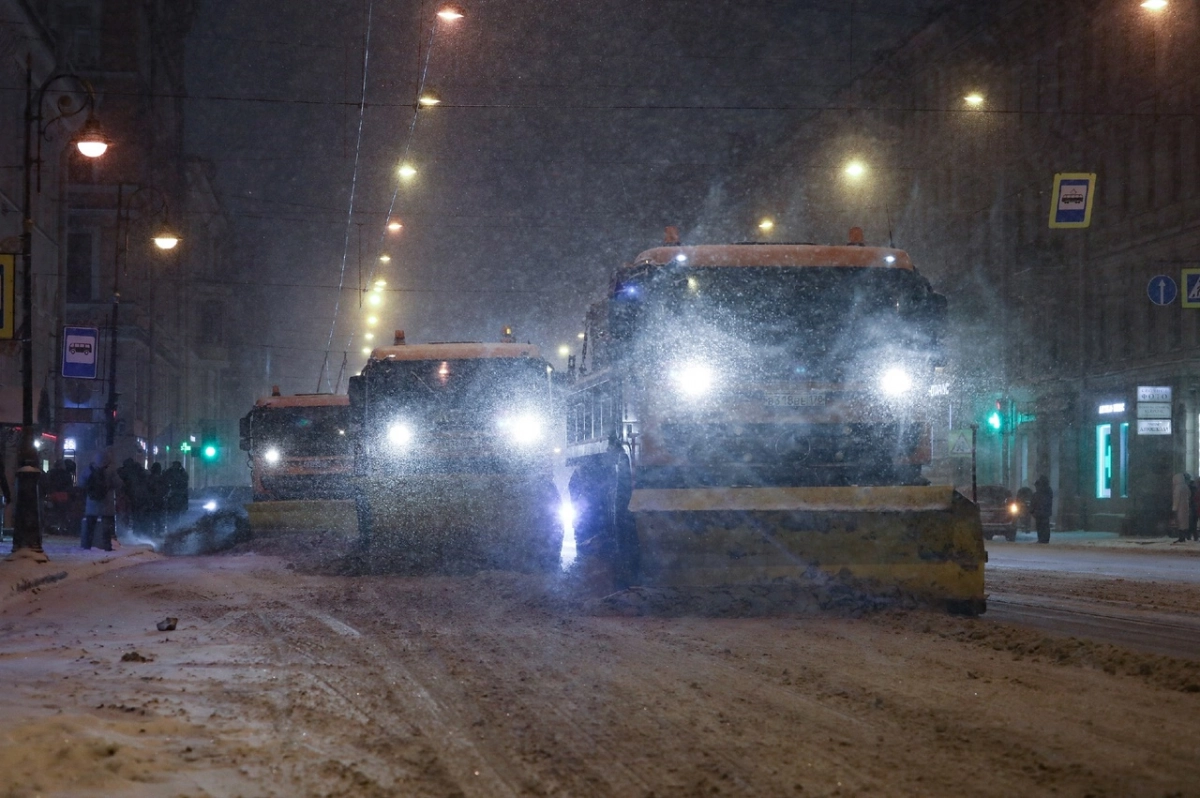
<point>399,435</point>
<point>272,456</point>
<point>525,429</point>
<point>693,380</point>
<point>895,382</point>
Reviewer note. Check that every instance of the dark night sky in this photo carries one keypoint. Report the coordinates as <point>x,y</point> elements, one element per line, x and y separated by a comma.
<point>571,133</point>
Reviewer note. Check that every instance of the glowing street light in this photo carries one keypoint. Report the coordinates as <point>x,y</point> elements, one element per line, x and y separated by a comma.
<point>1155,5</point>
<point>428,99</point>
<point>974,99</point>
<point>166,238</point>
<point>385,258</point>
<point>375,300</point>
<point>581,336</point>
<point>449,14</point>
<point>372,320</point>
<point>91,141</point>
<point>855,169</point>
<point>380,283</point>
<point>394,227</point>
<point>766,225</point>
<point>564,350</point>
<point>366,350</point>
<point>407,171</point>
<point>369,336</point>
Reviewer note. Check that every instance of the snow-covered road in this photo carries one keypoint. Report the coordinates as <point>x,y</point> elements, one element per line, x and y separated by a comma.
<point>281,683</point>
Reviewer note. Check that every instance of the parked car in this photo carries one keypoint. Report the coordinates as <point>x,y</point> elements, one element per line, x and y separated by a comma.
<point>999,511</point>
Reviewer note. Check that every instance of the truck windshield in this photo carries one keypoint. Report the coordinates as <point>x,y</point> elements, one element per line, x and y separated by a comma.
<point>811,320</point>
<point>466,386</point>
<point>303,431</point>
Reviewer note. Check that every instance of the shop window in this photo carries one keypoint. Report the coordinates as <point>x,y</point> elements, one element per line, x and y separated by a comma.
<point>1104,461</point>
<point>1123,473</point>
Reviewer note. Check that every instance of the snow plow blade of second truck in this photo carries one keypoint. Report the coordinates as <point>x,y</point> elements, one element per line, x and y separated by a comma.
<point>923,541</point>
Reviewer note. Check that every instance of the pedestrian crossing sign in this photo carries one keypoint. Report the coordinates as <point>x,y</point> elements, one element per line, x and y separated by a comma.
<point>1191,288</point>
<point>959,444</point>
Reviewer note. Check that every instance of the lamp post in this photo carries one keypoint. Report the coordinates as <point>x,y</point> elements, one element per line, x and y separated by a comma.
<point>165,238</point>
<point>27,527</point>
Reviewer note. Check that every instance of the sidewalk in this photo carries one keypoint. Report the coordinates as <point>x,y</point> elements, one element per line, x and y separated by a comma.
<point>23,577</point>
<point>1085,539</point>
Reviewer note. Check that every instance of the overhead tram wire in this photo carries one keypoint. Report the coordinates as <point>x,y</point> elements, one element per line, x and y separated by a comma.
<point>412,127</point>
<point>362,107</point>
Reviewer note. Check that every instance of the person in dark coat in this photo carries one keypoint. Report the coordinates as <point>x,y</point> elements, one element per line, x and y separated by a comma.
<point>1042,507</point>
<point>156,499</point>
<point>100,486</point>
<point>177,492</point>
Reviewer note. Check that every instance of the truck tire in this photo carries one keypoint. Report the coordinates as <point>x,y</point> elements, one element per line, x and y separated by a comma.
<point>605,530</point>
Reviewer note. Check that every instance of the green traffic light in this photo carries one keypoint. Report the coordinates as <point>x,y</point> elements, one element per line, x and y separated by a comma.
<point>210,452</point>
<point>994,420</point>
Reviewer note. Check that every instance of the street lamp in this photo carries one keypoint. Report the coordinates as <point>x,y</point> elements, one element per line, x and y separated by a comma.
<point>449,14</point>
<point>91,142</point>
<point>855,170</point>
<point>165,238</point>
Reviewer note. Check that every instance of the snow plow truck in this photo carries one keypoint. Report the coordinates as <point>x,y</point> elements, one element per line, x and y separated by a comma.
<point>455,451</point>
<point>301,462</point>
<point>741,414</point>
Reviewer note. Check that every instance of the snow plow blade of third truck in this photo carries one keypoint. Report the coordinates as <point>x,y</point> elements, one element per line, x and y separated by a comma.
<point>922,540</point>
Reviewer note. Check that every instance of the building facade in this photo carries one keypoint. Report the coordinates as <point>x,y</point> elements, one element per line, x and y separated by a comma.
<point>99,263</point>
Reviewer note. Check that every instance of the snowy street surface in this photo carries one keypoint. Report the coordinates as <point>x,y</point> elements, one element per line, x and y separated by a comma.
<point>279,682</point>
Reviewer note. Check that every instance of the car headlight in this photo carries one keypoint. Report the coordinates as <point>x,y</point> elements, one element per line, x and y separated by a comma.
<point>693,380</point>
<point>895,382</point>
<point>272,456</point>
<point>1014,508</point>
<point>399,434</point>
<point>525,429</point>
<point>211,505</point>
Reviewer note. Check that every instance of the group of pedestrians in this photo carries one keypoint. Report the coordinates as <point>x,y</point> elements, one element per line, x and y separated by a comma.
<point>146,501</point>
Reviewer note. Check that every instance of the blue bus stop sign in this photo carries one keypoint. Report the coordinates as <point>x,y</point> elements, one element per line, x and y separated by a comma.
<point>79,352</point>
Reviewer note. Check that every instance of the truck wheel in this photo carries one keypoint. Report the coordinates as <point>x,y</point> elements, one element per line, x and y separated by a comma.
<point>1011,535</point>
<point>604,528</point>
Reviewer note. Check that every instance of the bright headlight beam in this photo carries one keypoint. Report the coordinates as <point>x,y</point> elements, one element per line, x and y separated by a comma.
<point>896,382</point>
<point>272,456</point>
<point>524,430</point>
<point>693,380</point>
<point>399,434</point>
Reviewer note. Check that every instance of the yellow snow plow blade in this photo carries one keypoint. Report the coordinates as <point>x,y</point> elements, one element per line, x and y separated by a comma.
<point>926,542</point>
<point>464,521</point>
<point>267,518</point>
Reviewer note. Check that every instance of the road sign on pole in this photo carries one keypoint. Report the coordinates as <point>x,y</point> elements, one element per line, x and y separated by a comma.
<point>79,352</point>
<point>1162,289</point>
<point>1190,279</point>
<point>1071,200</point>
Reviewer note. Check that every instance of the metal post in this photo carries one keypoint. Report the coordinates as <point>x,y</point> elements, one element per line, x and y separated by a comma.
<point>110,407</point>
<point>27,522</point>
<point>974,480</point>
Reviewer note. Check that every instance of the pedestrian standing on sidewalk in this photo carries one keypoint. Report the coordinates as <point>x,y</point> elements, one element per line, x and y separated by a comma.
<point>101,488</point>
<point>1181,505</point>
<point>1041,508</point>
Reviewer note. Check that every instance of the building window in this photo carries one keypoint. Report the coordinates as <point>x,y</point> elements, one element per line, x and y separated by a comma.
<point>211,327</point>
<point>80,23</point>
<point>81,265</point>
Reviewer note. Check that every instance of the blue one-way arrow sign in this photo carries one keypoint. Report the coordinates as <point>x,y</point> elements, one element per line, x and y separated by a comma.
<point>1162,289</point>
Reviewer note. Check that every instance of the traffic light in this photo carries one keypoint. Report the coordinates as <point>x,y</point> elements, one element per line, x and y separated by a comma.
<point>209,452</point>
<point>995,420</point>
